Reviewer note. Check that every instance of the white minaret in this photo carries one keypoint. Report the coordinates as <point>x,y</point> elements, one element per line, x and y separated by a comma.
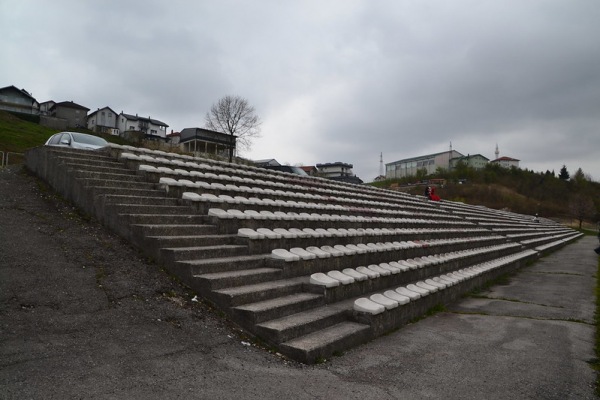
<point>497,152</point>
<point>380,164</point>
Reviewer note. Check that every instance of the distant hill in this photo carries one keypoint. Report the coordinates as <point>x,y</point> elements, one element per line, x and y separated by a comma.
<point>517,190</point>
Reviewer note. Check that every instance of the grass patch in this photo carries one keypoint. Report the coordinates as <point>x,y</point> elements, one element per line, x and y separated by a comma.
<point>432,311</point>
<point>502,280</point>
<point>18,135</point>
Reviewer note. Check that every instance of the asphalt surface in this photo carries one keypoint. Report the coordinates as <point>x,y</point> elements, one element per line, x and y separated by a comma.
<point>84,316</point>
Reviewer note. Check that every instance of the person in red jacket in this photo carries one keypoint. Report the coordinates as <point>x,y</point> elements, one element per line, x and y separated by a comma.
<point>433,196</point>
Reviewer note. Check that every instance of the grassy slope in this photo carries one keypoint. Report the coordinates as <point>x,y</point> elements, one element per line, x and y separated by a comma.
<point>17,135</point>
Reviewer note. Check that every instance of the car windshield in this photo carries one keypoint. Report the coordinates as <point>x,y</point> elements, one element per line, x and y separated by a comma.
<point>298,171</point>
<point>88,139</point>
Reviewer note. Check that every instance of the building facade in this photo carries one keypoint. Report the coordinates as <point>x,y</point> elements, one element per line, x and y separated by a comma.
<point>103,120</point>
<point>338,171</point>
<point>429,163</point>
<point>74,114</point>
<point>46,106</point>
<point>199,140</point>
<point>18,100</point>
<point>151,128</point>
<point>506,162</point>
<point>475,161</point>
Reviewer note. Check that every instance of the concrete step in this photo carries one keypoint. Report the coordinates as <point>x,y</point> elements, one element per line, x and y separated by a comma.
<point>303,323</point>
<point>141,200</point>
<point>221,264</point>
<point>250,286</point>
<point>149,209</point>
<point>154,218</point>
<point>321,344</point>
<point>174,229</point>
<point>102,168</point>
<point>126,191</point>
<point>82,154</point>
<point>254,313</point>
<point>98,182</point>
<point>201,252</point>
<point>107,176</point>
<point>93,162</point>
<point>190,240</point>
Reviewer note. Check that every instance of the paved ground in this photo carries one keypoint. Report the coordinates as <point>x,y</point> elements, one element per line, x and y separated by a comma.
<point>84,316</point>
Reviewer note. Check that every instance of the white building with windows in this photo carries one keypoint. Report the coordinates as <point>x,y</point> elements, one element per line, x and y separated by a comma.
<point>506,162</point>
<point>429,163</point>
<point>103,120</point>
<point>338,171</point>
<point>18,100</point>
<point>148,126</point>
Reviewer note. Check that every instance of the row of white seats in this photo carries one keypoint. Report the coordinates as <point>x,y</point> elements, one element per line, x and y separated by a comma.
<point>388,300</point>
<point>251,186</point>
<point>559,242</point>
<point>128,152</point>
<point>312,252</point>
<point>190,162</point>
<point>547,238</point>
<point>304,216</point>
<point>177,159</point>
<point>277,233</point>
<point>239,179</point>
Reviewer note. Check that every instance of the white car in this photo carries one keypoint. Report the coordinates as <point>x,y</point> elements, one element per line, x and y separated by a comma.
<point>76,140</point>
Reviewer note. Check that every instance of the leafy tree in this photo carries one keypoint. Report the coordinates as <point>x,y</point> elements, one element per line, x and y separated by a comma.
<point>235,116</point>
<point>421,174</point>
<point>564,174</point>
<point>579,177</point>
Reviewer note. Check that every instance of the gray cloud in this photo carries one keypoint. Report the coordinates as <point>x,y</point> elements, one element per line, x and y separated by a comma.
<point>334,81</point>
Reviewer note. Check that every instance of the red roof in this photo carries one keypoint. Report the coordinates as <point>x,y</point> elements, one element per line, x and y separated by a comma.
<point>506,159</point>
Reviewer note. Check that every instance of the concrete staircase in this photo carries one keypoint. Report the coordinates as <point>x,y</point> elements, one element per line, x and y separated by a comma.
<point>270,298</point>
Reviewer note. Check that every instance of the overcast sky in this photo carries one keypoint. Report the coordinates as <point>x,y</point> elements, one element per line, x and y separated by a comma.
<point>331,80</point>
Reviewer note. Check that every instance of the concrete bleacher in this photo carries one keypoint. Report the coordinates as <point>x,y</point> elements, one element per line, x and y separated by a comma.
<point>310,266</point>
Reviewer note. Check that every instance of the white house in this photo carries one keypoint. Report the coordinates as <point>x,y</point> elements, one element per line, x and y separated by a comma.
<point>150,127</point>
<point>18,100</point>
<point>46,106</point>
<point>506,162</point>
<point>103,120</point>
<point>338,171</point>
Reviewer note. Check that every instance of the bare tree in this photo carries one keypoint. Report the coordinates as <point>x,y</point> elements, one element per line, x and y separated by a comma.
<point>234,116</point>
<point>581,208</point>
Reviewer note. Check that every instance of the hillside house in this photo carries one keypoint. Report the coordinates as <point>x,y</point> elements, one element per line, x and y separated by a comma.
<point>74,114</point>
<point>46,106</point>
<point>103,120</point>
<point>18,100</point>
<point>506,162</point>
<point>151,128</point>
<point>200,140</point>
<point>475,161</point>
<point>338,171</point>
